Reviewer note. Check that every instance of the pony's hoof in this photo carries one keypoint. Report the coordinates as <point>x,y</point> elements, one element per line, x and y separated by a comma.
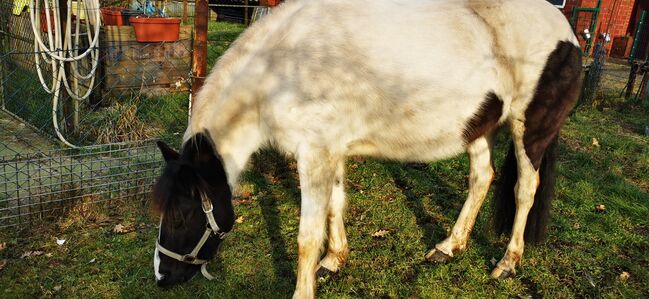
<point>437,256</point>
<point>323,273</point>
<point>501,273</point>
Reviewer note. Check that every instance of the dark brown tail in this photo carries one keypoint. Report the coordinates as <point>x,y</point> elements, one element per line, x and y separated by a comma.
<point>505,200</point>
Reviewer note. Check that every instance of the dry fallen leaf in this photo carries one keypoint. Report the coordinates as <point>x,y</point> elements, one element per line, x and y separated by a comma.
<point>595,142</point>
<point>121,229</point>
<point>57,288</point>
<point>31,253</point>
<point>245,194</point>
<point>600,208</point>
<point>380,233</point>
<point>493,261</point>
<point>3,245</point>
<point>3,263</point>
<point>239,220</point>
<point>118,229</point>
<point>239,201</point>
<point>624,276</point>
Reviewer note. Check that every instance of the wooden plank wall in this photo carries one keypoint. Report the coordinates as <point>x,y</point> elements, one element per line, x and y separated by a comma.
<point>149,68</point>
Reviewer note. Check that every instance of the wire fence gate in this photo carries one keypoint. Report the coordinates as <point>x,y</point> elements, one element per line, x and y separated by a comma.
<point>616,68</point>
<point>140,93</point>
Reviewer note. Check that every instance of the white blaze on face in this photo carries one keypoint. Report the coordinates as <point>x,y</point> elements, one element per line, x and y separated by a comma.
<point>156,257</point>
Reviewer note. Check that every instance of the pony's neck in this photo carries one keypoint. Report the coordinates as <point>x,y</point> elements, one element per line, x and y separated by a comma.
<point>233,123</point>
<point>236,154</point>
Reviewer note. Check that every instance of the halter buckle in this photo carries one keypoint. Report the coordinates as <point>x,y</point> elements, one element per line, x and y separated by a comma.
<point>220,234</point>
<point>207,206</point>
<point>188,258</point>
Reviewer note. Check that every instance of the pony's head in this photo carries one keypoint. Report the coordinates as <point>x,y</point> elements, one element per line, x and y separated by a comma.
<point>194,201</point>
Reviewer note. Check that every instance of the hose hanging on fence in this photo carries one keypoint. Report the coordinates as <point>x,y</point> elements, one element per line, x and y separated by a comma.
<point>59,42</point>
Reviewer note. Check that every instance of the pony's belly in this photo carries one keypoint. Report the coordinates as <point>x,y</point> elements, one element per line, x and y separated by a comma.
<point>404,150</point>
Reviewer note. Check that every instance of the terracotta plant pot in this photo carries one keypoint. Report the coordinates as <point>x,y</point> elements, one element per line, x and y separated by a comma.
<point>117,16</point>
<point>270,3</point>
<point>44,20</point>
<point>153,30</point>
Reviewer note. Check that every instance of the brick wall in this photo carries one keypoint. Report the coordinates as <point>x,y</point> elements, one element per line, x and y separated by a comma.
<point>615,17</point>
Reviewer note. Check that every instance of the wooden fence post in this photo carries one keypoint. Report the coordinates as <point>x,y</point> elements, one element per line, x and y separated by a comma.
<point>70,106</point>
<point>199,61</point>
<point>185,11</point>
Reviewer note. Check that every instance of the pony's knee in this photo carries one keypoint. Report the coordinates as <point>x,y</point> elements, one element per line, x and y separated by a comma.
<point>485,177</point>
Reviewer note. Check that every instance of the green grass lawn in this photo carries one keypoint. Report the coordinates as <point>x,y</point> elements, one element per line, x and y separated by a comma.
<point>584,256</point>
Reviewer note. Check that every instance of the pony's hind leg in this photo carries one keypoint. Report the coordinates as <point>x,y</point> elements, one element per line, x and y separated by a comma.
<point>535,130</point>
<point>525,189</point>
<point>480,179</point>
<point>337,248</point>
<point>316,169</point>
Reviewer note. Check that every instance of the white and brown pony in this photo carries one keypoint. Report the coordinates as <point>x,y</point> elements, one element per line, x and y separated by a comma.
<point>408,80</point>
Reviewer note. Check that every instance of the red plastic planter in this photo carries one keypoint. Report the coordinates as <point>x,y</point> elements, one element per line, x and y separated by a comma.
<point>113,16</point>
<point>44,20</point>
<point>270,3</point>
<point>153,30</point>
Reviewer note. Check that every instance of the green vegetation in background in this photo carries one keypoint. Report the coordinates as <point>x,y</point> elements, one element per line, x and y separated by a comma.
<point>585,254</point>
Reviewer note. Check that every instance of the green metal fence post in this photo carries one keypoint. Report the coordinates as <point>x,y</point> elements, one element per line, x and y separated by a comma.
<point>4,19</point>
<point>636,39</point>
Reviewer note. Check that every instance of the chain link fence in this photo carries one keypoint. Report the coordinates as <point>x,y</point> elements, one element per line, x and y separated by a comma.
<point>140,93</point>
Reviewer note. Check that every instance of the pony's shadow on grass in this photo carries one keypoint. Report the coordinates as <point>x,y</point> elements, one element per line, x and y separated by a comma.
<point>274,179</point>
<point>417,182</point>
<point>420,182</point>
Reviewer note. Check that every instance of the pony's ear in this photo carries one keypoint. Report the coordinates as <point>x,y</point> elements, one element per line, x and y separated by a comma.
<point>168,153</point>
<point>199,150</point>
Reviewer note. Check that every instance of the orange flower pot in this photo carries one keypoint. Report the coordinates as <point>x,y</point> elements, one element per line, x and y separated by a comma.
<point>155,30</point>
<point>44,20</point>
<point>270,3</point>
<point>117,16</point>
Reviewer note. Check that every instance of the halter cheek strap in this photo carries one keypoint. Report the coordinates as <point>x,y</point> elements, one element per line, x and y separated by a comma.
<point>211,229</point>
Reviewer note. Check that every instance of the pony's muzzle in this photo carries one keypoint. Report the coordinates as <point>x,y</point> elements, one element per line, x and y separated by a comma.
<point>168,280</point>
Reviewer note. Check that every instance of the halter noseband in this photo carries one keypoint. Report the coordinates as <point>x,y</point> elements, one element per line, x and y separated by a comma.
<point>211,228</point>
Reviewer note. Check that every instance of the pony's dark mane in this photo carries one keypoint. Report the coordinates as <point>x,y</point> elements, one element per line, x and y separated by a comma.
<point>164,201</point>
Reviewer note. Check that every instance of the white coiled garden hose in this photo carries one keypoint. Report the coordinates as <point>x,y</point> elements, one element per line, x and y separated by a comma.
<point>62,43</point>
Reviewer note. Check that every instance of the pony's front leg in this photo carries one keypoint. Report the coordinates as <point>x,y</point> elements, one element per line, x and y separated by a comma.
<point>479,181</point>
<point>317,171</point>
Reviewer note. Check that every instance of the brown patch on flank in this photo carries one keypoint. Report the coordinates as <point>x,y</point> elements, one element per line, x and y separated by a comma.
<point>485,120</point>
<point>556,94</point>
